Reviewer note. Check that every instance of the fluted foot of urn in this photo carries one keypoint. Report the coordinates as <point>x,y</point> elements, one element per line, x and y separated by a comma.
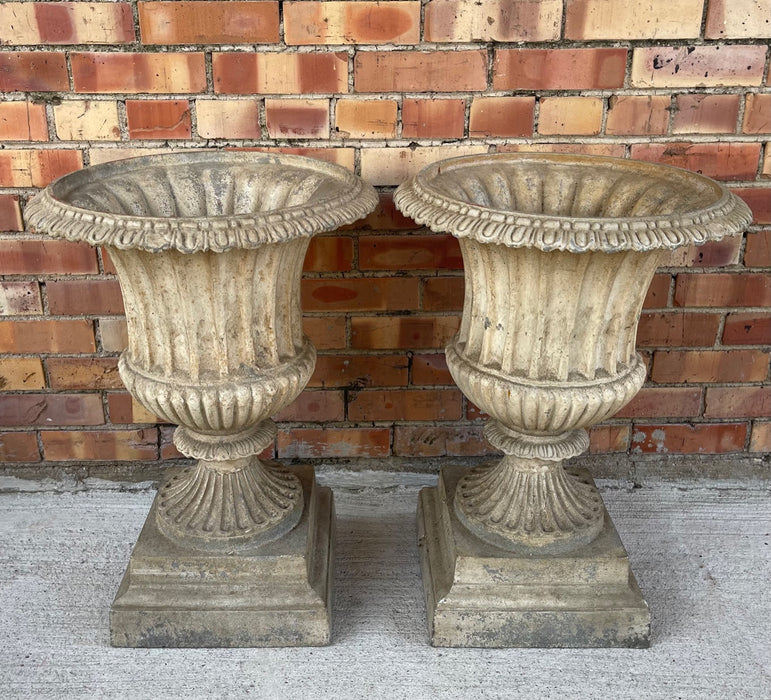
<point>227,499</point>
<point>249,502</point>
<point>529,505</point>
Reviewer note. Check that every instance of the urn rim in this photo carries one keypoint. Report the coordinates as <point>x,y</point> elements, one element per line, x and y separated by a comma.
<point>49,212</point>
<point>425,200</point>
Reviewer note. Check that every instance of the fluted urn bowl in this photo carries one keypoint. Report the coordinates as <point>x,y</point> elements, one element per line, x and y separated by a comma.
<point>209,248</point>
<point>559,251</point>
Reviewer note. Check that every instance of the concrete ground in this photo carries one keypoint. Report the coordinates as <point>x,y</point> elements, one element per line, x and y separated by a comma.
<point>700,551</point>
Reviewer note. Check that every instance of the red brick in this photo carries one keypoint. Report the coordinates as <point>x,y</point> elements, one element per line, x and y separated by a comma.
<point>697,66</point>
<point>738,402</point>
<point>123,409</point>
<point>169,450</point>
<point>558,69</point>
<point>501,116</point>
<point>340,156</point>
<point>688,366</point>
<point>738,19</point>
<point>158,119</point>
<point>351,22</point>
<point>19,447</point>
<point>228,119</point>
<point>329,254</point>
<point>658,292</point>
<point>411,332</point>
<point>66,23</point>
<point>32,168</point>
<point>677,329</point>
<point>655,19</point>
<point>663,402</point>
<point>93,297</point>
<point>46,336</point>
<point>297,118</point>
<point>405,405</point>
<point>326,333</point>
<point>757,251</point>
<point>492,20</point>
<point>723,161</point>
<point>240,73</point>
<point>317,406</point>
<point>684,438</point>
<point>20,298</point>
<point>301,443</point>
<point>440,441</point>
<point>615,150</point>
<point>390,166</point>
<point>98,155</point>
<point>138,72</point>
<point>51,409</point>
<point>757,114</point>
<point>609,438</point>
<point>365,119</point>
<point>87,120</point>
<point>705,114</point>
<point>760,440</point>
<point>644,115</point>
<point>430,370</point>
<point>711,254</point>
<point>723,289</point>
<point>23,121</point>
<point>443,294</point>
<point>33,71</point>
<point>385,216</point>
<point>359,371</point>
<point>10,214</point>
<point>361,294</point>
<point>421,252</point>
<point>210,22</point>
<point>747,329</point>
<point>758,199</point>
<point>32,257</point>
<point>113,333</point>
<point>98,445</point>
<point>433,118</point>
<point>417,71</point>
<point>570,115</point>
<point>21,374</point>
<point>83,373</point>
<point>475,413</point>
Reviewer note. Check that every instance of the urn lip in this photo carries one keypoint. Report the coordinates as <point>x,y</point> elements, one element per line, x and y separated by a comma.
<point>692,208</point>
<point>334,196</point>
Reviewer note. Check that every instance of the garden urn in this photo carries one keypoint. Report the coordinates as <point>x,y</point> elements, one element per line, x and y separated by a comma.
<point>558,251</point>
<point>209,247</point>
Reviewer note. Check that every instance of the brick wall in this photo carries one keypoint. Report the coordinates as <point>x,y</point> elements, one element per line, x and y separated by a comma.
<point>382,88</point>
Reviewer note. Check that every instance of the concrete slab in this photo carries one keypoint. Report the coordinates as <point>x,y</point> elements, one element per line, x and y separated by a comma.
<point>701,552</point>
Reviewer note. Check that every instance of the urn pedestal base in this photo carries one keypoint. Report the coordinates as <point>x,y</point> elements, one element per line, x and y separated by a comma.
<point>478,595</point>
<point>274,594</point>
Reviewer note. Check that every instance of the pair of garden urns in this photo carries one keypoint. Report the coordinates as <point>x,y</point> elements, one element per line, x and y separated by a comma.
<point>558,252</point>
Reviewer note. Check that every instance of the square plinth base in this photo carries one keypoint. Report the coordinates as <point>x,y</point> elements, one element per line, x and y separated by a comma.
<point>478,595</point>
<point>277,594</point>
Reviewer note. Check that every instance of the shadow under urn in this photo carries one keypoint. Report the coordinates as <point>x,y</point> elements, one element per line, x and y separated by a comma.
<point>559,251</point>
<point>209,247</point>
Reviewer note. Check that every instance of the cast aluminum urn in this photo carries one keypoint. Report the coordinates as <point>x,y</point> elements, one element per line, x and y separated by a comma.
<point>559,251</point>
<point>209,247</point>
